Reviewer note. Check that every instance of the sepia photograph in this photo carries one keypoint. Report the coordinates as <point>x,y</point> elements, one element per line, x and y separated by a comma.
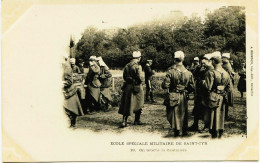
<point>115,81</point>
<point>171,75</point>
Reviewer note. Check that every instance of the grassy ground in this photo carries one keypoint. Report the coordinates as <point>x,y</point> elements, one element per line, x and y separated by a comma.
<point>154,116</point>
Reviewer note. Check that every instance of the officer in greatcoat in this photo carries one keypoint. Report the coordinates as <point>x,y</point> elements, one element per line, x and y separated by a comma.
<point>217,83</point>
<point>71,104</point>
<point>93,86</point>
<point>105,80</point>
<point>179,83</point>
<point>199,76</point>
<point>132,100</point>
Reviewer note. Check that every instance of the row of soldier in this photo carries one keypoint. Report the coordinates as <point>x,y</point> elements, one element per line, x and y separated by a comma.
<point>212,88</point>
<point>86,94</point>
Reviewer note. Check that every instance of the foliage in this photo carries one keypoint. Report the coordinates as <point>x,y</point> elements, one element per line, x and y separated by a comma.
<point>222,30</point>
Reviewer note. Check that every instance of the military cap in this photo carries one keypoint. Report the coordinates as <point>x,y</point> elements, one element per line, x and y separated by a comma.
<point>136,54</point>
<point>179,54</point>
<point>226,55</point>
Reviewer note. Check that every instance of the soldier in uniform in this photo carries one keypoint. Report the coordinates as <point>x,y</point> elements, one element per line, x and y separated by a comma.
<point>81,66</point>
<point>71,104</point>
<point>148,80</point>
<point>179,82</point>
<point>199,75</point>
<point>217,83</point>
<point>241,86</point>
<point>74,67</point>
<point>132,100</point>
<point>93,85</point>
<point>105,80</point>
<point>228,68</point>
<point>195,64</point>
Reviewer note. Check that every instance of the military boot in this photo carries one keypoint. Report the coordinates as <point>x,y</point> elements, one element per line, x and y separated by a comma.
<point>137,118</point>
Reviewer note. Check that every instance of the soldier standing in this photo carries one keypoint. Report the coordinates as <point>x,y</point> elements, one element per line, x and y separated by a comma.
<point>71,104</point>
<point>195,64</point>
<point>93,85</point>
<point>132,100</point>
<point>148,80</point>
<point>241,86</point>
<point>179,82</point>
<point>105,80</point>
<point>228,68</point>
<point>217,82</point>
<point>199,75</point>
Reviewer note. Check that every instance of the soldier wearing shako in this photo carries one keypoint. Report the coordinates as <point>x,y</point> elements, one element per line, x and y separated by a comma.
<point>179,82</point>
<point>148,80</point>
<point>228,68</point>
<point>217,83</point>
<point>199,76</point>
<point>132,100</point>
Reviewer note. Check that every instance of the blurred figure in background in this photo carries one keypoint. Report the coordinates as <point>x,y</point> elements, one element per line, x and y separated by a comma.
<point>179,82</point>
<point>228,68</point>
<point>75,68</point>
<point>81,66</point>
<point>241,86</point>
<point>195,64</point>
<point>105,80</point>
<point>132,100</point>
<point>148,80</point>
<point>71,104</point>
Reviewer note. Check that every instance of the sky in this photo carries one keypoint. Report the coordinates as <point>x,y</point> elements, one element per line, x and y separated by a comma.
<point>79,17</point>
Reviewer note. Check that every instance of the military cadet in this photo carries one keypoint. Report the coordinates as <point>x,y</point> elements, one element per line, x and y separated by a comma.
<point>132,100</point>
<point>217,82</point>
<point>241,86</point>
<point>93,85</point>
<point>81,66</point>
<point>105,80</point>
<point>71,104</point>
<point>228,68</point>
<point>148,80</point>
<point>195,64</point>
<point>179,82</point>
<point>74,67</point>
<point>199,75</point>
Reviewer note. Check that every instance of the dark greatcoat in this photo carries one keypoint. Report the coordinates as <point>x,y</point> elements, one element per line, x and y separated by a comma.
<point>212,80</point>
<point>241,86</point>
<point>71,101</point>
<point>178,115</point>
<point>132,102</point>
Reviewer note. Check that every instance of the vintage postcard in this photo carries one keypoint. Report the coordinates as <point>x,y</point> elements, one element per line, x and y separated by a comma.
<point>129,80</point>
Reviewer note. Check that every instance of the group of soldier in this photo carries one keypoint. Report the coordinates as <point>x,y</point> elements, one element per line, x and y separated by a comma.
<point>210,79</point>
<point>86,94</point>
